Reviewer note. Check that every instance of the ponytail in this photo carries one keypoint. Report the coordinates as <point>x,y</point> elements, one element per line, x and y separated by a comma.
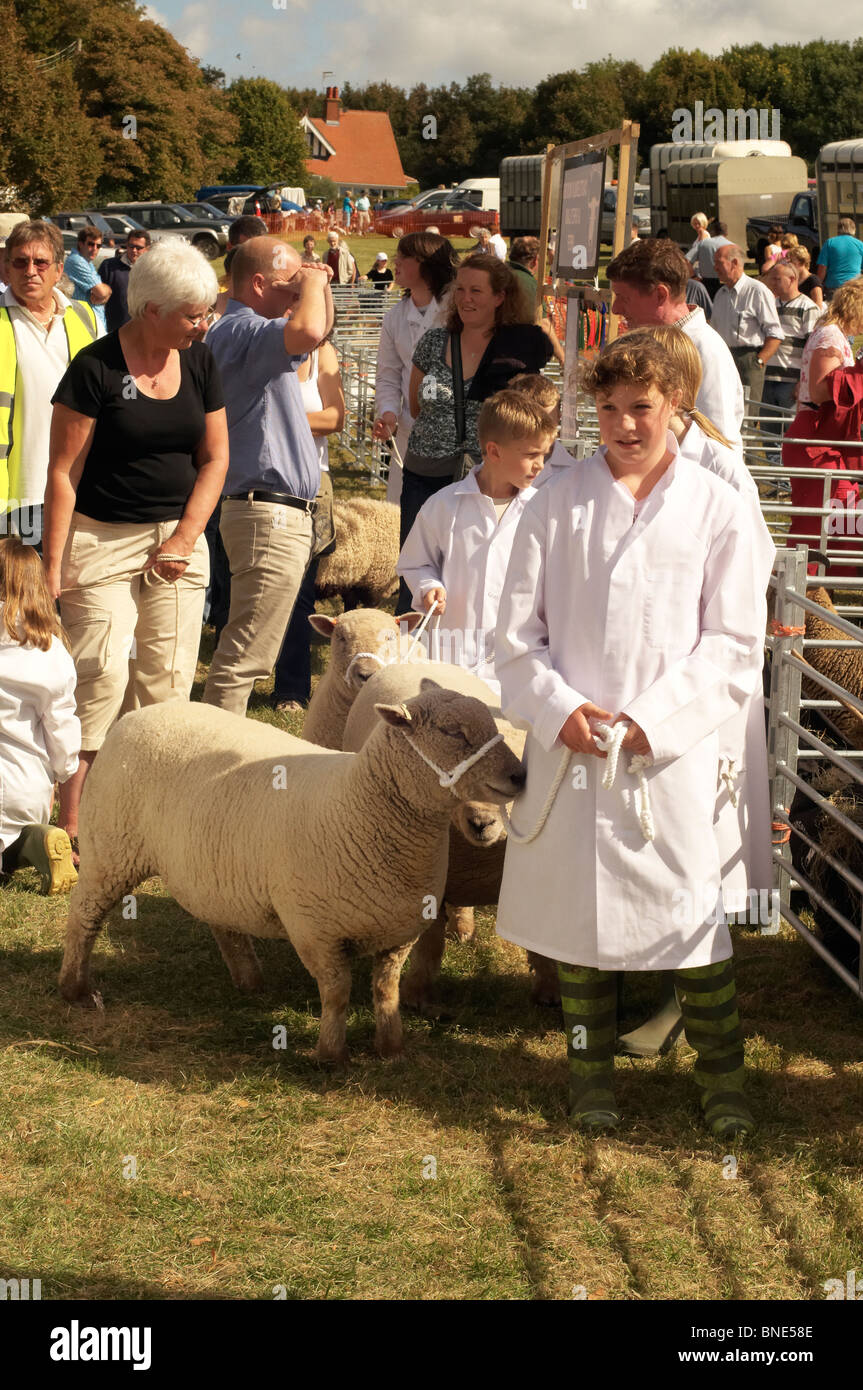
<point>706,426</point>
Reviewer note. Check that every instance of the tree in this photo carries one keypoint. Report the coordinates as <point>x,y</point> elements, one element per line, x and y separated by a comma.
<point>271,142</point>
<point>675,82</point>
<point>48,150</point>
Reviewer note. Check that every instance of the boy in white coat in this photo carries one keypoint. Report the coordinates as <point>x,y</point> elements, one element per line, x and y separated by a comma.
<point>632,597</point>
<point>457,550</point>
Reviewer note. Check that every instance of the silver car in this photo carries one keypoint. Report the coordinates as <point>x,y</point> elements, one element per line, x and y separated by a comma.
<point>172,219</point>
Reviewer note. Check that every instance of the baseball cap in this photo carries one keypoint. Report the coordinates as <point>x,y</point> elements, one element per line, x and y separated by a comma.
<point>381,256</point>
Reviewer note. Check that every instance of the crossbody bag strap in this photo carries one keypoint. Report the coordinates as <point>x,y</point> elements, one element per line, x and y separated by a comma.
<point>457,388</point>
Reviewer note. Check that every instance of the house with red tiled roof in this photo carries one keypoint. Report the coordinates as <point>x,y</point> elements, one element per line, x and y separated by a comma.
<point>355,149</point>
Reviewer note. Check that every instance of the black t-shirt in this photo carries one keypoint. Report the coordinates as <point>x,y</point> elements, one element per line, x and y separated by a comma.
<point>381,278</point>
<point>139,468</point>
<point>514,348</point>
<point>811,282</point>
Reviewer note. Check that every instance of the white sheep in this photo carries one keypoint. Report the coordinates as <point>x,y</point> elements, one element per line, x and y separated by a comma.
<point>360,643</point>
<point>362,568</point>
<point>259,834</point>
<point>477,837</point>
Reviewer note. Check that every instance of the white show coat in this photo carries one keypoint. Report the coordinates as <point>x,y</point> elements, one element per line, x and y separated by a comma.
<point>743,831</point>
<point>662,618</point>
<point>40,734</point>
<point>457,541</point>
<point>721,395</point>
<point>401,329</point>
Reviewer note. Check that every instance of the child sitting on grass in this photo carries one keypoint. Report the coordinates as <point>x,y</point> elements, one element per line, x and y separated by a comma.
<point>457,550</point>
<point>40,735</point>
<point>634,599</point>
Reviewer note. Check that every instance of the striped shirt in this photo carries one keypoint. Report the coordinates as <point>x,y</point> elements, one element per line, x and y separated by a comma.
<point>798,317</point>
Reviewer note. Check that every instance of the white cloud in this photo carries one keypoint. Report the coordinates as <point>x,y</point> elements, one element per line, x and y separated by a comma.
<point>151,13</point>
<point>193,29</point>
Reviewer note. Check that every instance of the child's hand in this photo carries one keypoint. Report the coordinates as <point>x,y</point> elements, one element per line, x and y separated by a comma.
<point>437,593</point>
<point>635,740</point>
<point>576,733</point>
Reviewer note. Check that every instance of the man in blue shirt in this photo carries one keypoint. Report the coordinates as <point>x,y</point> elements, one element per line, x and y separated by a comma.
<point>840,258</point>
<point>274,473</point>
<point>85,277</point>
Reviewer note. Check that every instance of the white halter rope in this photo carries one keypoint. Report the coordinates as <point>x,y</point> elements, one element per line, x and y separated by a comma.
<point>612,737</point>
<point>371,656</point>
<point>728,775</point>
<point>420,630</point>
<point>148,575</point>
<point>530,835</point>
<point>449,779</point>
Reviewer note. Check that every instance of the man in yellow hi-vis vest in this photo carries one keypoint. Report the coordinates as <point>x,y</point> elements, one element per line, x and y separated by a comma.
<point>40,332</point>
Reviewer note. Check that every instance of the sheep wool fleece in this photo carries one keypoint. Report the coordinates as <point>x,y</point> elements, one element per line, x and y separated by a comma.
<point>660,617</point>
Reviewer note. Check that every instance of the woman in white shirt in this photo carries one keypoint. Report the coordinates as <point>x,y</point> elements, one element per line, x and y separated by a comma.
<point>40,735</point>
<point>425,267</point>
<point>324,402</point>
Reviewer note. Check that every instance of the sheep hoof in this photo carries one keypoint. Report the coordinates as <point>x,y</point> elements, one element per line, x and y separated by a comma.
<point>339,1058</point>
<point>389,1051</point>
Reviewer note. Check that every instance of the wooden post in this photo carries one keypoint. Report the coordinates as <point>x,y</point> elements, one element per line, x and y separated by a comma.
<point>545,223</point>
<point>625,194</point>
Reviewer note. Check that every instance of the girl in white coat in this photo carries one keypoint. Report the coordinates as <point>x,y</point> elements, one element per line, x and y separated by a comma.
<point>457,551</point>
<point>40,735</point>
<point>632,597</point>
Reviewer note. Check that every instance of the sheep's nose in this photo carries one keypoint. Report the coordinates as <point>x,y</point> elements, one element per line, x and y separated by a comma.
<point>480,823</point>
<point>518,779</point>
<point>362,675</point>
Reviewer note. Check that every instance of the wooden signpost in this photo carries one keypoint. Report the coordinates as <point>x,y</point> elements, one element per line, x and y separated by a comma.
<point>557,157</point>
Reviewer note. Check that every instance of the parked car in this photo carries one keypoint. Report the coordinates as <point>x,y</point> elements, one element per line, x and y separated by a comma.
<point>801,219</point>
<point>640,211</point>
<point>122,225</point>
<point>75,221</point>
<point>256,201</point>
<point>211,238</point>
<point>209,212</point>
<point>452,217</point>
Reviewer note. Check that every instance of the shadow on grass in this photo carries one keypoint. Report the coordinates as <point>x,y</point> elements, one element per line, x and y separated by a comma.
<point>173,1016</point>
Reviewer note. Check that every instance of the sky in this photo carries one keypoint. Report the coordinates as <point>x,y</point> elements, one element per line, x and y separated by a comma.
<point>410,41</point>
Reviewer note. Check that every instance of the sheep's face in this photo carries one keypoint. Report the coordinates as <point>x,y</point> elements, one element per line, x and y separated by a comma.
<point>361,642</point>
<point>479,822</point>
<point>447,729</point>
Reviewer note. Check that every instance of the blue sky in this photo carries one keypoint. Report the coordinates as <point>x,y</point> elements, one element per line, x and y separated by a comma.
<point>408,41</point>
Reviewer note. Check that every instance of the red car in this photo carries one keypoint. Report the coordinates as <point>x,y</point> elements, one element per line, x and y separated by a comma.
<point>453,216</point>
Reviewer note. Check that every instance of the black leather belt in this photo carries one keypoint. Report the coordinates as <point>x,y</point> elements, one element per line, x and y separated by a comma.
<point>282,499</point>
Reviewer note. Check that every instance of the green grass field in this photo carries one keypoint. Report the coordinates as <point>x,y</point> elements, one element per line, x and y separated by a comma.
<point>166,1149</point>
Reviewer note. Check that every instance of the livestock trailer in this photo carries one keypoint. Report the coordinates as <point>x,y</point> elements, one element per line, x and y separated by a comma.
<point>521,195</point>
<point>839,171</point>
<point>662,157</point>
<point>731,190</point>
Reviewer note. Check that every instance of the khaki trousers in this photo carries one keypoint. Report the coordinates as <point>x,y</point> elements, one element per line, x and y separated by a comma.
<point>268,546</point>
<point>134,638</point>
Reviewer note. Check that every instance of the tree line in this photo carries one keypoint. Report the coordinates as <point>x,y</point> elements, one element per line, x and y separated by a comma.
<point>125,111</point>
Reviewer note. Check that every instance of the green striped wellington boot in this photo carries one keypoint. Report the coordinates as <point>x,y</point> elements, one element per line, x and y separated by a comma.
<point>589,1000</point>
<point>708,998</point>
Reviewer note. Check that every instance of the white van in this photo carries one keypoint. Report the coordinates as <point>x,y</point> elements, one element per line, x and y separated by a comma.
<point>484,192</point>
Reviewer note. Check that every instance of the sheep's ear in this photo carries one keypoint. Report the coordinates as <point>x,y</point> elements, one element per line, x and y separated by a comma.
<point>322,624</point>
<point>397,715</point>
<point>428,684</point>
<point>410,620</point>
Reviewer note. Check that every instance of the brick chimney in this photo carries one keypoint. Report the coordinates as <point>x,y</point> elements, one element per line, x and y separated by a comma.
<point>332,106</point>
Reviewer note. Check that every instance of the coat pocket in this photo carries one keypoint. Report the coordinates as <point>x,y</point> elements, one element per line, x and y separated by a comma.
<point>672,605</point>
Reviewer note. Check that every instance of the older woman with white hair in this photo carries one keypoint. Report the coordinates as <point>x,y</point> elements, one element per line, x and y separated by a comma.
<point>139,452</point>
<point>698,223</point>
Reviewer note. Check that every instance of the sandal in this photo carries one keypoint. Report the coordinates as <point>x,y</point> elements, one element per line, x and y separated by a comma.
<point>288,707</point>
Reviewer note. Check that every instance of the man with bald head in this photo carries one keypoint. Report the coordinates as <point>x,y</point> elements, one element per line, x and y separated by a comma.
<point>279,310</point>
